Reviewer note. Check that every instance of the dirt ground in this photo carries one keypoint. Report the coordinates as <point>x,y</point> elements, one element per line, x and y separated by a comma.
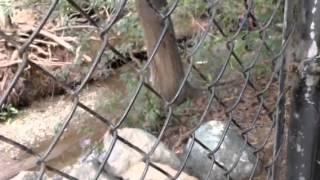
<point>36,126</point>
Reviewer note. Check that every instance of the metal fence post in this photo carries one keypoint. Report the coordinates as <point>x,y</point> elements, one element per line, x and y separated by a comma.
<point>303,135</point>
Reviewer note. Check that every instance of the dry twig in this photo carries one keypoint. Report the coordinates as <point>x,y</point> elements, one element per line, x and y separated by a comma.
<point>53,41</point>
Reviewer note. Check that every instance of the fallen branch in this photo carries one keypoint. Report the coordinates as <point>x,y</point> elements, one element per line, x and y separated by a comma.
<point>73,27</point>
<point>53,42</point>
<point>36,58</point>
<point>55,38</point>
<point>40,50</point>
<point>5,64</point>
<point>4,80</point>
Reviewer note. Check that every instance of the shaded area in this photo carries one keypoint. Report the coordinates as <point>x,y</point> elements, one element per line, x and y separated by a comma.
<point>304,134</point>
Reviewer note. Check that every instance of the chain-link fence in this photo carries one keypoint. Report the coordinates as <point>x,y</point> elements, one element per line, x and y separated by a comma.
<point>246,89</point>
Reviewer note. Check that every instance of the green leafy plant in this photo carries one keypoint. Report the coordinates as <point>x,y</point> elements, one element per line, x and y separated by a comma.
<point>8,113</point>
<point>147,111</point>
<point>57,127</point>
<point>113,104</point>
<point>188,110</point>
<point>5,7</point>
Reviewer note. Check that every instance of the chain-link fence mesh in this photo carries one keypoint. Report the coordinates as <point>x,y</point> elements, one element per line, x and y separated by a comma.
<point>246,88</point>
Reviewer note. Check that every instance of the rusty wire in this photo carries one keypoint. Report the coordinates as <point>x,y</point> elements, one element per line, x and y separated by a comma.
<point>275,114</point>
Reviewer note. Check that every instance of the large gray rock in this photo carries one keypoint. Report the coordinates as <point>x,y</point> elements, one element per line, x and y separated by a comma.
<point>209,134</point>
<point>88,171</point>
<point>135,172</point>
<point>123,157</point>
<point>83,171</point>
<point>27,175</point>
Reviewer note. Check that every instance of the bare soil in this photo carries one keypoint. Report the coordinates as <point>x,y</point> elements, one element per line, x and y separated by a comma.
<point>36,126</point>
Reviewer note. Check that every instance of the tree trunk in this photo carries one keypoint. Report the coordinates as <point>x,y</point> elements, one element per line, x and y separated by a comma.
<point>166,68</point>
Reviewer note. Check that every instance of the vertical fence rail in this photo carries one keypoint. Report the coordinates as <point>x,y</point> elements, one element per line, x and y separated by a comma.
<point>303,135</point>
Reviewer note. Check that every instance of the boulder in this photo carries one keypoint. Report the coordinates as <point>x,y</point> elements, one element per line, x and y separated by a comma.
<point>123,157</point>
<point>135,172</point>
<point>234,151</point>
